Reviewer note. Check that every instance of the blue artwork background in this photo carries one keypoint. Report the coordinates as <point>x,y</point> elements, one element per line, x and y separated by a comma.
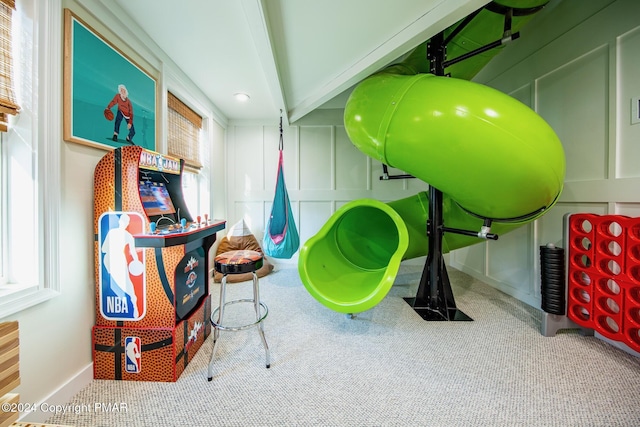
<point>97,70</point>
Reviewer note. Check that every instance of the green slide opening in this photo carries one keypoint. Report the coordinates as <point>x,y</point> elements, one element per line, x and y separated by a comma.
<point>354,258</point>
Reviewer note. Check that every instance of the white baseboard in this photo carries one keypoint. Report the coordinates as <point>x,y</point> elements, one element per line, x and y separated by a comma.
<point>61,396</point>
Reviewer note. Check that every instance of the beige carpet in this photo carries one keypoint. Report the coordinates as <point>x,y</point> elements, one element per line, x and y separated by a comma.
<point>386,367</point>
<point>20,424</point>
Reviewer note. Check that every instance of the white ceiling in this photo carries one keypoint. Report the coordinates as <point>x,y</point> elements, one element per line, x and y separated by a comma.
<point>290,55</point>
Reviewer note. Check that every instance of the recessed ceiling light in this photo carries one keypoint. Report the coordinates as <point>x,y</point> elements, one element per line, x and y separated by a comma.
<point>242,97</point>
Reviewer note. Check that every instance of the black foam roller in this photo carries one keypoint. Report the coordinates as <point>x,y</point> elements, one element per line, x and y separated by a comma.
<point>552,272</point>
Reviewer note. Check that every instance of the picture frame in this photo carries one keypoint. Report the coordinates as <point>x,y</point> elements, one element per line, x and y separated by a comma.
<point>94,73</point>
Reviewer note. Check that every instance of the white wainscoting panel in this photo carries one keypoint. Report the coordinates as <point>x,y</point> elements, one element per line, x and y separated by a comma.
<point>508,261</point>
<point>627,209</point>
<point>470,259</point>
<point>313,216</point>
<point>248,160</point>
<point>316,158</point>
<point>253,214</point>
<point>628,160</point>
<point>351,164</point>
<point>573,99</point>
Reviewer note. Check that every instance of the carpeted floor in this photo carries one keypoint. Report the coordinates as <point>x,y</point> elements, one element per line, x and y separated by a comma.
<point>386,367</point>
<point>22,424</point>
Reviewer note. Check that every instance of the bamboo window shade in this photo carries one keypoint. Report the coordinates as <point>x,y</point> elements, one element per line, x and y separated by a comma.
<point>183,133</point>
<point>8,103</point>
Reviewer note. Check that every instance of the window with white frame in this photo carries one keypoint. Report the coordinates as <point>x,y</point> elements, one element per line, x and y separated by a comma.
<point>29,160</point>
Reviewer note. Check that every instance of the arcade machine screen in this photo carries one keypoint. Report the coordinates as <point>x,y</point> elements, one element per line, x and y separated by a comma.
<point>156,200</point>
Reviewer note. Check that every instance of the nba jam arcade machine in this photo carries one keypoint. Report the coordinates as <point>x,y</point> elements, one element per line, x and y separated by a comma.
<point>151,268</point>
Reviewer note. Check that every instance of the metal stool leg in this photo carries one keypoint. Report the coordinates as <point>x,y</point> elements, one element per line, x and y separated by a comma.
<point>216,331</point>
<point>261,312</point>
<point>256,305</point>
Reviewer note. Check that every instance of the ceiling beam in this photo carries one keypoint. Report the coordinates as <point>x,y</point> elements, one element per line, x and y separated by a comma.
<point>255,13</point>
<point>440,17</point>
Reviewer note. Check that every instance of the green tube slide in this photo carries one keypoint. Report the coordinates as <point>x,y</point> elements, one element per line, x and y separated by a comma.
<point>491,156</point>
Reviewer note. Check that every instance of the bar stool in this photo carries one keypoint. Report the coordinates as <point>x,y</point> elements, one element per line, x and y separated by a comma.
<point>238,262</point>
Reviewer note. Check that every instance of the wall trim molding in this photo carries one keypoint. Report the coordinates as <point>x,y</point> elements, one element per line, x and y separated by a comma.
<point>60,396</point>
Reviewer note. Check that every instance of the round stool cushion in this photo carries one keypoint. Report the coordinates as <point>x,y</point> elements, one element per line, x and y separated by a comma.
<point>236,243</point>
<point>238,262</point>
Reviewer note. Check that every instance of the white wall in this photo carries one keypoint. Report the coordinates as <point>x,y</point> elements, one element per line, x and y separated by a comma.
<point>55,336</point>
<point>577,65</point>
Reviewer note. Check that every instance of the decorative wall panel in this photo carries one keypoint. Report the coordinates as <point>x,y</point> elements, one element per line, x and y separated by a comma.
<point>351,165</point>
<point>316,158</point>
<point>573,99</point>
<point>628,151</point>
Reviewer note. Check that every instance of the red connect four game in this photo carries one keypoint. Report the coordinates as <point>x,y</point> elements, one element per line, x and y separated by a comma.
<point>604,276</point>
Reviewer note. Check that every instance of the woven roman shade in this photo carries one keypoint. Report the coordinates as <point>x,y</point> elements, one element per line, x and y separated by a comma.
<point>183,133</point>
<point>7,96</point>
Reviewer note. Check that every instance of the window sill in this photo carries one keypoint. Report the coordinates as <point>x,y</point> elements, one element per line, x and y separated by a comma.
<point>15,299</point>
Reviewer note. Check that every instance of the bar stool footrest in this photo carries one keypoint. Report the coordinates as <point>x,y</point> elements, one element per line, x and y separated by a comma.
<point>264,311</point>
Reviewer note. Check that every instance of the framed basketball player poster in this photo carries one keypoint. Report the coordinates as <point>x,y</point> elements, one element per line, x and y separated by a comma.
<point>109,101</point>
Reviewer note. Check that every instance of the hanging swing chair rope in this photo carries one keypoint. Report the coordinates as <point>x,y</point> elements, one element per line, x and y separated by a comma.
<point>281,238</point>
<point>280,144</point>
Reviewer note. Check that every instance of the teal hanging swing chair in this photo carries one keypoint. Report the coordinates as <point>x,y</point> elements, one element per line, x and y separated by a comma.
<point>281,239</point>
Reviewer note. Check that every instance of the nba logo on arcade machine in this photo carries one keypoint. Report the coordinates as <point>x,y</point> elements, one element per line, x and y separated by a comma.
<point>132,348</point>
<point>122,267</point>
